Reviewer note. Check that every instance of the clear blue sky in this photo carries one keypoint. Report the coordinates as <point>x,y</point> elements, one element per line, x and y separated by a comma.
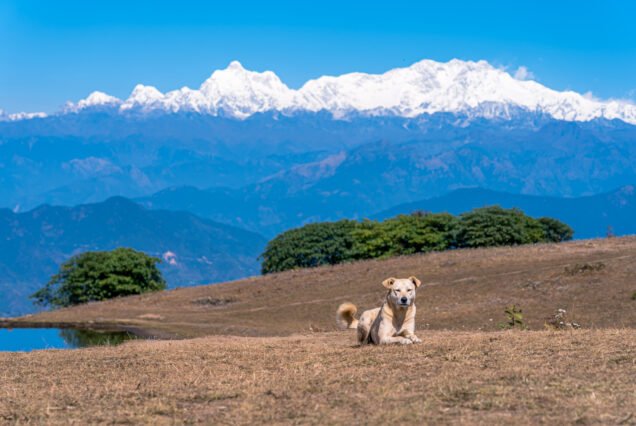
<point>59,50</point>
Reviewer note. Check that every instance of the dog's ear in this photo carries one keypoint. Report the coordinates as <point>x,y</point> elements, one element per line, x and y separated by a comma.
<point>388,282</point>
<point>415,281</point>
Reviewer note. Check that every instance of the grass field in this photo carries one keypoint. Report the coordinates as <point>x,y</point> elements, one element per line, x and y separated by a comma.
<point>583,377</point>
<point>271,354</point>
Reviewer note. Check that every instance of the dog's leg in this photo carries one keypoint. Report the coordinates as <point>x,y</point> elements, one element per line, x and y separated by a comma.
<point>414,338</point>
<point>408,328</point>
<point>365,324</point>
<point>363,334</point>
<point>408,334</point>
<point>395,339</point>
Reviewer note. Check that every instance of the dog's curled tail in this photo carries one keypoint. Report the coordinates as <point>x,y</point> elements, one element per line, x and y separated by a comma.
<point>345,316</point>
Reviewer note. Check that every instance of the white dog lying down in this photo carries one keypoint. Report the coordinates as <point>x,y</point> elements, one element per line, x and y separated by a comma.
<point>393,322</point>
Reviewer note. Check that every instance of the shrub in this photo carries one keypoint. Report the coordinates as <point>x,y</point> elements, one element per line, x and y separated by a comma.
<point>330,243</point>
<point>515,318</point>
<point>312,245</point>
<point>560,321</point>
<point>420,233</point>
<point>495,226</point>
<point>403,235</point>
<point>554,230</point>
<point>101,275</point>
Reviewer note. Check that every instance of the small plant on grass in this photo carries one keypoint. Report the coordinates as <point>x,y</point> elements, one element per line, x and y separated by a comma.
<point>515,318</point>
<point>634,295</point>
<point>584,268</point>
<point>559,321</point>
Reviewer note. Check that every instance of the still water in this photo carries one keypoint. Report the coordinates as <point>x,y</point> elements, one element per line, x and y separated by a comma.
<point>29,339</point>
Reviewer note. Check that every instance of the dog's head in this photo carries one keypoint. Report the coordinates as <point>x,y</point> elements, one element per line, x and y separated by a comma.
<point>402,290</point>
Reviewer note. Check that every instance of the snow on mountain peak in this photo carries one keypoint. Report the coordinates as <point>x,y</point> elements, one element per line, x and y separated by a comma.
<point>100,98</point>
<point>426,86</point>
<point>242,93</point>
<point>144,97</point>
<point>235,65</point>
<point>95,99</point>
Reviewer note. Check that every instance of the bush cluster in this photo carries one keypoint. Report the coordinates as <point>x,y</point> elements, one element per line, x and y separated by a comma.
<point>329,243</point>
<point>101,275</point>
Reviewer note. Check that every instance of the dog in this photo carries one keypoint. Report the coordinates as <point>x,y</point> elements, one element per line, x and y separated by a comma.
<point>393,322</point>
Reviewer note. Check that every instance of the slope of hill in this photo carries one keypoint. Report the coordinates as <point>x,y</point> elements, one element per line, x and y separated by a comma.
<point>194,250</point>
<point>462,290</point>
<point>590,217</point>
<point>466,370</point>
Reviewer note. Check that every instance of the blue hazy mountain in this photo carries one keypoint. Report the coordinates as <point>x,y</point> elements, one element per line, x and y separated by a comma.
<point>361,162</point>
<point>87,157</point>
<point>531,156</point>
<point>194,250</point>
<point>591,217</point>
<point>268,173</point>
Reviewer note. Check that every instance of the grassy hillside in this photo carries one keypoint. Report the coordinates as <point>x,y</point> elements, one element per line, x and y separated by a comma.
<point>299,371</point>
<point>463,290</point>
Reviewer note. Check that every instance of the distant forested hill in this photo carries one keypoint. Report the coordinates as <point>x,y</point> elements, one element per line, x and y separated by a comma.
<point>194,250</point>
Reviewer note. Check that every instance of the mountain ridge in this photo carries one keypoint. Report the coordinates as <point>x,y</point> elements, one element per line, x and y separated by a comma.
<point>193,250</point>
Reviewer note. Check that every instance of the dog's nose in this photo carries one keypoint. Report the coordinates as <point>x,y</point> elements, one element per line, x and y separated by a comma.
<point>404,300</point>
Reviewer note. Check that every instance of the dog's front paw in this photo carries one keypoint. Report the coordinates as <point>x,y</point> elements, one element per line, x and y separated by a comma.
<point>406,341</point>
<point>415,339</point>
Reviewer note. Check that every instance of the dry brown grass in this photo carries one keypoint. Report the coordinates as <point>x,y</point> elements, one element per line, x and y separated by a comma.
<point>297,370</point>
<point>583,377</point>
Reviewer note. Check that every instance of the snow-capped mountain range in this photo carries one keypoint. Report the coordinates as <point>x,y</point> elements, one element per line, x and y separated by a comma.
<point>475,88</point>
<point>20,116</point>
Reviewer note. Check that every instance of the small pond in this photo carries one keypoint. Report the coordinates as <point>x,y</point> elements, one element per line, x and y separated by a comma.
<point>29,339</point>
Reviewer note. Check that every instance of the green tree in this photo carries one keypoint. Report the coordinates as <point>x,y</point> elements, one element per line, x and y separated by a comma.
<point>330,243</point>
<point>316,244</point>
<point>403,235</point>
<point>421,232</point>
<point>101,275</point>
<point>370,240</point>
<point>554,230</point>
<point>496,226</point>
